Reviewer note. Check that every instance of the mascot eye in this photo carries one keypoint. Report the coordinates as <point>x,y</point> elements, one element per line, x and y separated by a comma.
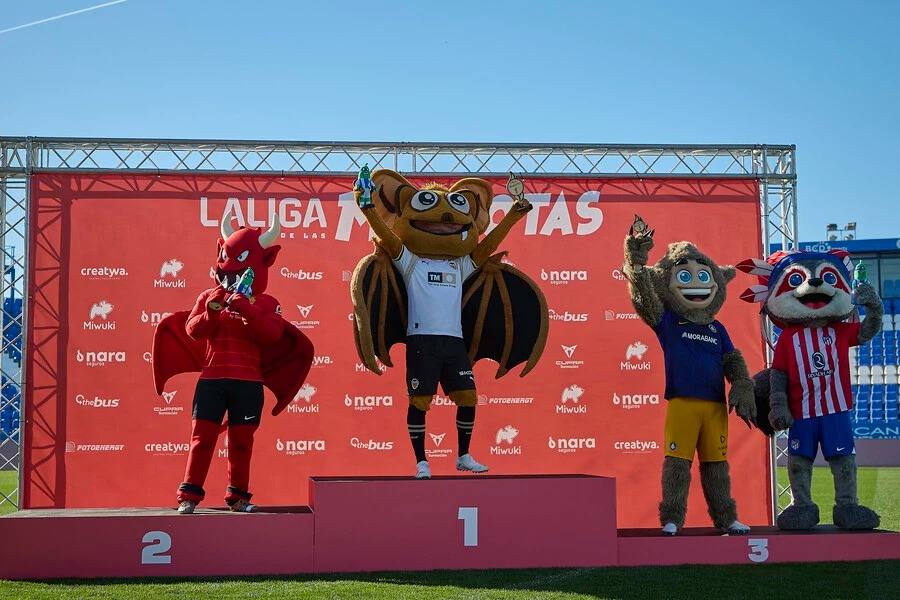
<point>703,276</point>
<point>830,278</point>
<point>459,202</point>
<point>424,200</point>
<point>796,279</point>
<point>223,256</point>
<point>684,276</point>
<point>243,256</point>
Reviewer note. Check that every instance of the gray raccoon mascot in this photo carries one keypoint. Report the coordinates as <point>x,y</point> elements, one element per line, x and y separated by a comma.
<point>807,390</point>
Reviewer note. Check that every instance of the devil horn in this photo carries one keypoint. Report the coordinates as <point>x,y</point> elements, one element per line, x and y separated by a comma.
<point>227,229</point>
<point>272,234</point>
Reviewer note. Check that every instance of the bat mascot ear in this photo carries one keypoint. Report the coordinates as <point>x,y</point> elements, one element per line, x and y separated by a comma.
<point>392,195</point>
<point>728,272</point>
<point>480,197</point>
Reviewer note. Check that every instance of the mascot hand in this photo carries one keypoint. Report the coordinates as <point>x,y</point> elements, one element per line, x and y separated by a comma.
<point>866,295</point>
<point>523,206</point>
<point>242,305</point>
<point>780,416</point>
<point>357,195</point>
<point>215,299</point>
<point>743,401</point>
<point>637,249</point>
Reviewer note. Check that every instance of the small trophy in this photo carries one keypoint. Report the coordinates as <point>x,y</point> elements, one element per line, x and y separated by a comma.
<point>244,285</point>
<point>860,276</point>
<point>516,188</point>
<point>365,185</point>
<point>639,228</point>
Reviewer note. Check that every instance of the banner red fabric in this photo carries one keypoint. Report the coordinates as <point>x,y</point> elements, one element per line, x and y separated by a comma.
<point>112,254</point>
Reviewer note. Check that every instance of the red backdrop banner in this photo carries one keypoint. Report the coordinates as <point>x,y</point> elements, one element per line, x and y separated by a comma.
<point>111,254</point>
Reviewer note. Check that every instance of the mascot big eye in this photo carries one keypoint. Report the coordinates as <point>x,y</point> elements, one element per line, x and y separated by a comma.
<point>679,297</point>
<point>807,389</point>
<point>434,285</point>
<point>236,338</point>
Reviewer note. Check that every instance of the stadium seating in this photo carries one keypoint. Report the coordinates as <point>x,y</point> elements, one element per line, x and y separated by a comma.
<point>10,391</point>
<point>875,372</point>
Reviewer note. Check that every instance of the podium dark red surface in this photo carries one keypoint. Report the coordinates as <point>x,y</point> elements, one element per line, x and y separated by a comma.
<point>392,523</point>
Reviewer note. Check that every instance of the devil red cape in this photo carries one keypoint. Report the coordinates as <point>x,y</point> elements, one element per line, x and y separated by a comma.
<point>283,364</point>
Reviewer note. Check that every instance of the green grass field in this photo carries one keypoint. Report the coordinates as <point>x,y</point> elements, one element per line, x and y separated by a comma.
<point>879,488</point>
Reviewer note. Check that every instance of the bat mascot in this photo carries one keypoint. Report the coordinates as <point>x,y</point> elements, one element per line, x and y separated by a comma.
<point>433,285</point>
<point>679,297</point>
<point>238,341</point>
<point>807,390</point>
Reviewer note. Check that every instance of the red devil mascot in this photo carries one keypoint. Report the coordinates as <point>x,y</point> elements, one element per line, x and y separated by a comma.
<point>238,341</point>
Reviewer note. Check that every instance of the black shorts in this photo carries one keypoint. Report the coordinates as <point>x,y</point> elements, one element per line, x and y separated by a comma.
<point>242,400</point>
<point>433,359</point>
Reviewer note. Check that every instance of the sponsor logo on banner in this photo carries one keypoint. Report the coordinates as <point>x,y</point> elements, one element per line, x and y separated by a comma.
<point>437,440</point>
<point>168,275</point>
<point>346,275</point>
<point>361,367</point>
<point>75,447</point>
<point>292,214</point>
<point>612,315</point>
<point>153,318</point>
<point>98,317</point>
<point>571,445</point>
<point>167,448</point>
<point>570,362</point>
<point>484,399</point>
<point>440,400</point>
<point>567,317</point>
<point>636,446</point>
<point>629,401</point>
<point>570,401</point>
<point>99,359</point>
<point>504,442</point>
<point>168,410</point>
<point>371,445</point>
<point>303,401</point>
<point>322,361</point>
<point>634,358</point>
<point>301,275</point>
<point>366,403</point>
<point>563,277</point>
<point>148,357</point>
<point>96,401</point>
<point>299,447</point>
<point>618,275</point>
<point>103,272</point>
<point>305,322</point>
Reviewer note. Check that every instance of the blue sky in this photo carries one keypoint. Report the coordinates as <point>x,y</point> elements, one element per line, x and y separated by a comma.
<point>821,75</point>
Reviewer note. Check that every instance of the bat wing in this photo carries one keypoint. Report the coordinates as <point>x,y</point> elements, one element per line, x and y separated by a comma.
<point>379,309</point>
<point>285,365</point>
<point>504,316</point>
<point>174,352</point>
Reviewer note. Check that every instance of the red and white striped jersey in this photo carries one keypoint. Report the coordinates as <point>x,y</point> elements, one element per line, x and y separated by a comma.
<point>817,362</point>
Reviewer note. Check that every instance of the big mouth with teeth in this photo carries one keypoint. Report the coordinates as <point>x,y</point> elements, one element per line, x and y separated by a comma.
<point>441,228</point>
<point>696,294</point>
<point>227,279</point>
<point>814,300</point>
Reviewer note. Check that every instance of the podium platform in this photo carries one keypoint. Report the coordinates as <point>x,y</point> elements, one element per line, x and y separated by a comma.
<point>393,523</point>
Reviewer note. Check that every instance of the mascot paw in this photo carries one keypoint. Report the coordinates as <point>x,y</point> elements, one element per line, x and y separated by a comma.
<point>855,516</point>
<point>743,399</point>
<point>866,295</point>
<point>637,249</point>
<point>798,517</point>
<point>780,418</point>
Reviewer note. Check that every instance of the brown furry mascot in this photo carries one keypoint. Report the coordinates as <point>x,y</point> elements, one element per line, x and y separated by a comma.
<point>435,286</point>
<point>679,297</point>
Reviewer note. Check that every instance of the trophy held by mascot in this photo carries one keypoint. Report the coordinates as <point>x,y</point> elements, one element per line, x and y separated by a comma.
<point>807,390</point>
<point>679,297</point>
<point>432,285</point>
<point>235,336</point>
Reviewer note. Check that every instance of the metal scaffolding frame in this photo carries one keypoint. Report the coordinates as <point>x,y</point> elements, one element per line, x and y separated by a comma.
<point>774,166</point>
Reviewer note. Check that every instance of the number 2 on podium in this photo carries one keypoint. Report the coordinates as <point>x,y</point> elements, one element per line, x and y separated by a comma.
<point>469,516</point>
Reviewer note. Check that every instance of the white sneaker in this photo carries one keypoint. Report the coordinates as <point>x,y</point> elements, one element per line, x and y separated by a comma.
<point>738,528</point>
<point>467,463</point>
<point>670,529</point>
<point>186,507</point>
<point>423,471</point>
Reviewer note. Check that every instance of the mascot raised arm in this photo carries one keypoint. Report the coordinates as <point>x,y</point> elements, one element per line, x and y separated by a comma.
<point>434,285</point>
<point>679,297</point>
<point>235,336</point>
<point>807,390</point>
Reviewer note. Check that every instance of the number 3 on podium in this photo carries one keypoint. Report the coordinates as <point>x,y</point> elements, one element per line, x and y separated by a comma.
<point>469,516</point>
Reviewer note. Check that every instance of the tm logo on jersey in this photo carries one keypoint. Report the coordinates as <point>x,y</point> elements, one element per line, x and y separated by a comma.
<point>441,278</point>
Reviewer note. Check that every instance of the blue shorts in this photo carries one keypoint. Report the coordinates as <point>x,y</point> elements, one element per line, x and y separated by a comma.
<point>833,432</point>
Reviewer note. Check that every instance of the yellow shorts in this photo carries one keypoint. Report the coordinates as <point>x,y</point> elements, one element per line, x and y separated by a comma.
<point>694,424</point>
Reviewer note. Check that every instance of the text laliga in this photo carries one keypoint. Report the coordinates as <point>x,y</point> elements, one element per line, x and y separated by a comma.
<point>550,215</point>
